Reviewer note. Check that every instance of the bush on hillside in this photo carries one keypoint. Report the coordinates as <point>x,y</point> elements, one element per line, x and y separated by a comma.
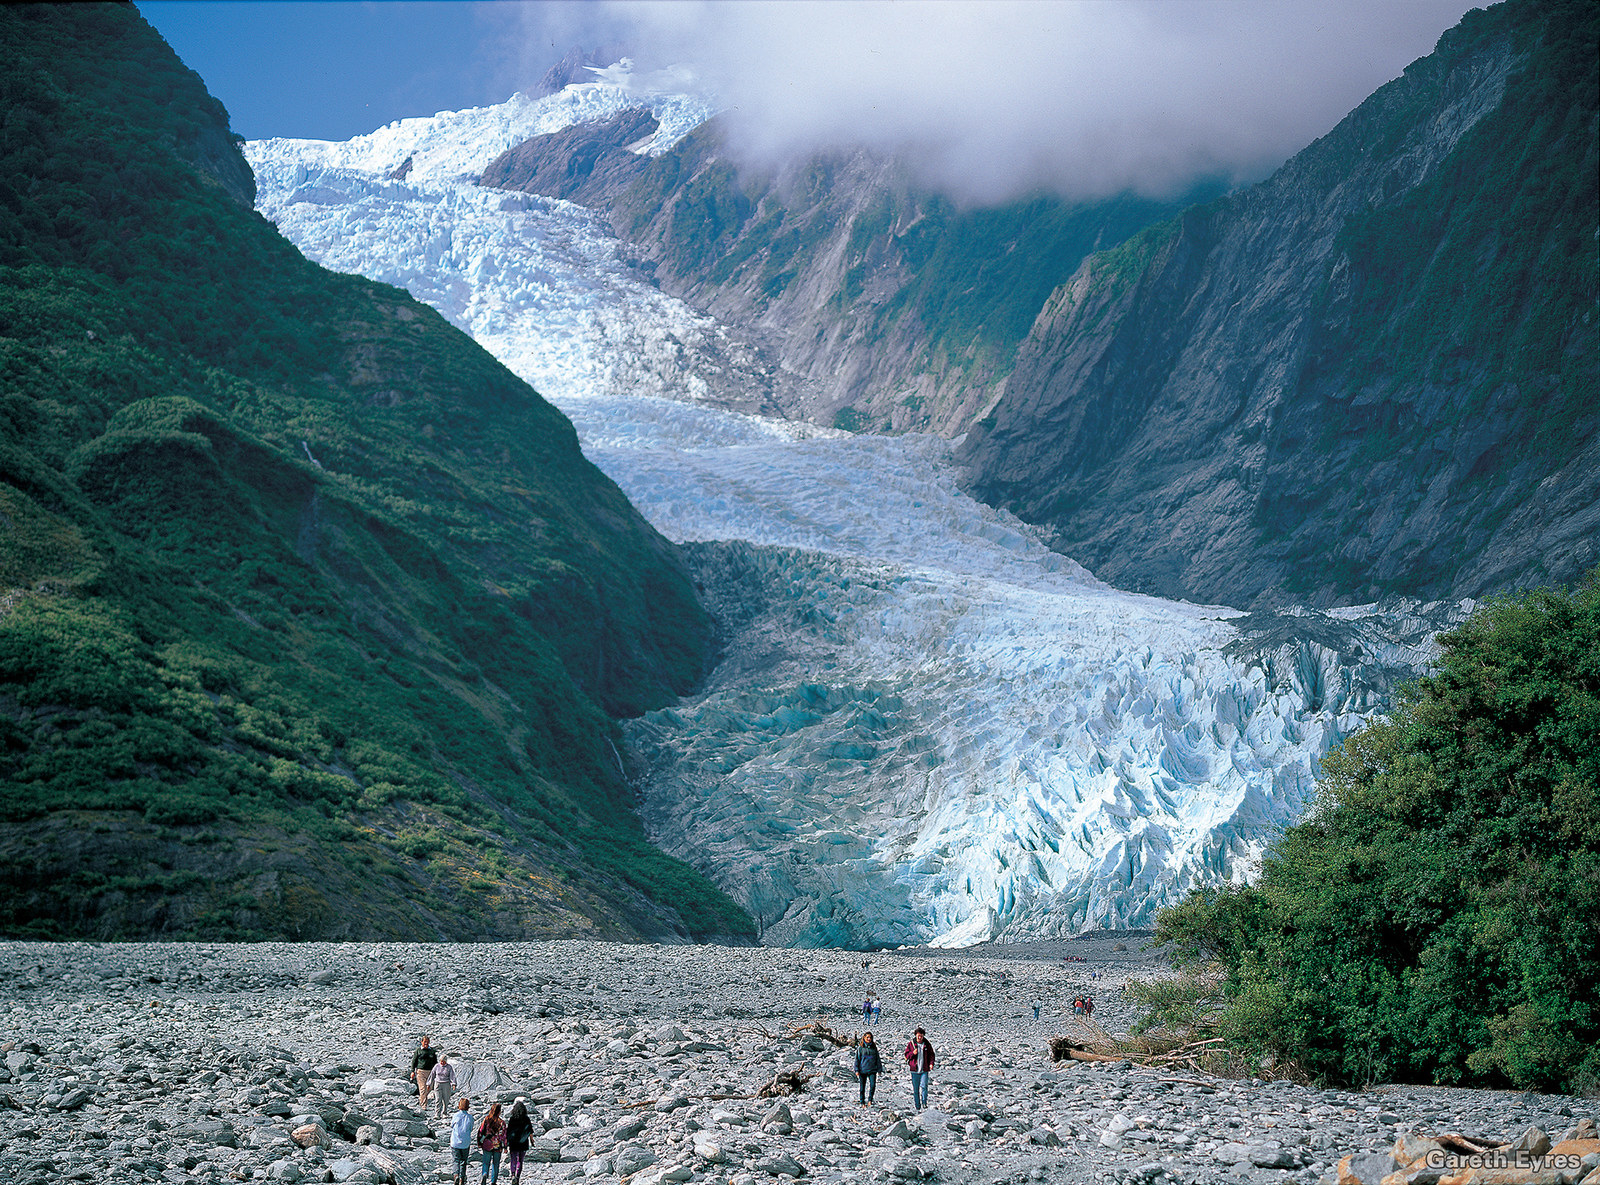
<point>1437,917</point>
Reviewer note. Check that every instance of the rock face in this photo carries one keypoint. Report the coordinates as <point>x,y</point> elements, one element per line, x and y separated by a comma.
<point>584,163</point>
<point>879,304</point>
<point>1373,373</point>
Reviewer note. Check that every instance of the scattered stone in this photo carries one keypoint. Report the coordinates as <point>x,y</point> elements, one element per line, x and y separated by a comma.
<point>644,1063</point>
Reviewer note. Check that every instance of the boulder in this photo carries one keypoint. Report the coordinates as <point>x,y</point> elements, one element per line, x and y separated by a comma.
<point>630,1158</point>
<point>207,1131</point>
<point>377,1088</point>
<point>1264,1156</point>
<point>780,1164</point>
<point>1365,1168</point>
<point>481,1079</point>
<point>1532,1141</point>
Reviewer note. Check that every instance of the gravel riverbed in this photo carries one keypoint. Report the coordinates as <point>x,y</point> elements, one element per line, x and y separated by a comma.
<point>195,1063</point>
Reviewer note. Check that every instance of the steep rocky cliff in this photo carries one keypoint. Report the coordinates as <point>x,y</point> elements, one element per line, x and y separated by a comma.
<point>1373,373</point>
<point>312,615</point>
<point>878,304</point>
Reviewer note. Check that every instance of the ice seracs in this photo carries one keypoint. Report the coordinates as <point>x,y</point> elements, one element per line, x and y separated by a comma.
<point>925,726</point>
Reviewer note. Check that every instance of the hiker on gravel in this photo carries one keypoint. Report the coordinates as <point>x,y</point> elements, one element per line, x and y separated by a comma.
<point>919,1056</point>
<point>491,1136</point>
<point>519,1134</point>
<point>461,1140</point>
<point>877,1009</point>
<point>1037,1004</point>
<point>1088,1008</point>
<point>868,1064</point>
<point>442,1079</point>
<point>866,1010</point>
<point>422,1063</point>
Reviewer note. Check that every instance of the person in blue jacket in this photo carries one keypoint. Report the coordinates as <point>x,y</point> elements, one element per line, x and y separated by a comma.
<point>868,1063</point>
<point>461,1138</point>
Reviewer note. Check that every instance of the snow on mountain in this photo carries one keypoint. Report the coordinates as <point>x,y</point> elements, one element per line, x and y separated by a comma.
<point>926,725</point>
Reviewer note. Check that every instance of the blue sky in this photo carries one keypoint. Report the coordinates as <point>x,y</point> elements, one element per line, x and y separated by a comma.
<point>330,71</point>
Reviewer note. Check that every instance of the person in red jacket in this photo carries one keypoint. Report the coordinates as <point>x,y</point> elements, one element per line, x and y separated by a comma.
<point>919,1056</point>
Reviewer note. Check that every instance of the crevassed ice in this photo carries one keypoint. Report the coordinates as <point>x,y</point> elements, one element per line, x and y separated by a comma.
<point>925,726</point>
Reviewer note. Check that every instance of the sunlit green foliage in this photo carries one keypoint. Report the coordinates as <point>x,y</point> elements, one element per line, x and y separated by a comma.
<point>1437,918</point>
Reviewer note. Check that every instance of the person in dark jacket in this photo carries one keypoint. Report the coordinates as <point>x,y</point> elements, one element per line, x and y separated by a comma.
<point>422,1062</point>
<point>868,1063</point>
<point>519,1134</point>
<point>919,1056</point>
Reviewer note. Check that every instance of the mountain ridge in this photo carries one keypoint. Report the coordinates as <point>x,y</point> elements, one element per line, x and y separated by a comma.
<point>1408,313</point>
<point>1239,397</point>
<point>314,614</point>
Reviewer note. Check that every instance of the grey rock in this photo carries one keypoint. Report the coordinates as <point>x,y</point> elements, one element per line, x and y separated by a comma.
<point>781,1164</point>
<point>1370,1168</point>
<point>1533,1141</point>
<point>630,1158</point>
<point>1266,1157</point>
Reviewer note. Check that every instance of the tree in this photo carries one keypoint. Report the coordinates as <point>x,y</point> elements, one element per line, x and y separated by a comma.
<point>1437,916</point>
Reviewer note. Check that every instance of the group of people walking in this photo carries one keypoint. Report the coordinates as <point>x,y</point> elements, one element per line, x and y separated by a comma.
<point>508,1137</point>
<point>497,1137</point>
<point>919,1059</point>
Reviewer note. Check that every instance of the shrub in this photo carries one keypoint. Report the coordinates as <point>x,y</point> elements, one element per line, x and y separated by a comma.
<point>1437,917</point>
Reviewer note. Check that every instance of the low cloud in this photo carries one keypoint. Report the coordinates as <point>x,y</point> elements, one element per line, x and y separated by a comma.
<point>997,98</point>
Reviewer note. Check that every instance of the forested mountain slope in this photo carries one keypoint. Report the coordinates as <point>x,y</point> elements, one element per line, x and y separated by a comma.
<point>312,616</point>
<point>1373,373</point>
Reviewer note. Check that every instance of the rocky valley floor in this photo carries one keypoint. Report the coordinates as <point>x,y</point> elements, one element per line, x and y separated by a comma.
<point>208,1064</point>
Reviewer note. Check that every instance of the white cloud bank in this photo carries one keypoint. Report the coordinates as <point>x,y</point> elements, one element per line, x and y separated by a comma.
<point>1000,97</point>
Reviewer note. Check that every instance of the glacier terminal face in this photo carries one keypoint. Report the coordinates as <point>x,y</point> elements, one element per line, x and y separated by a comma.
<point>926,726</point>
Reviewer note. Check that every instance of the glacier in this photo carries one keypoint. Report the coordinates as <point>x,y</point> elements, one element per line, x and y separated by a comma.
<point>924,725</point>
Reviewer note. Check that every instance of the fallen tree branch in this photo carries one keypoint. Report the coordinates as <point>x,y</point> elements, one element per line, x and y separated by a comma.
<point>817,1029</point>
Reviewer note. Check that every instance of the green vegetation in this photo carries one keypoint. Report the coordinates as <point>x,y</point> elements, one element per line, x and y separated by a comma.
<point>1437,917</point>
<point>284,555</point>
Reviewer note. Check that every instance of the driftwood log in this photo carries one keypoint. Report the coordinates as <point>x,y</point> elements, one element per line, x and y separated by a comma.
<point>791,1081</point>
<point>817,1029</point>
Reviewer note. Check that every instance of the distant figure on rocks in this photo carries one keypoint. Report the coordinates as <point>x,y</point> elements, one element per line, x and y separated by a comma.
<point>422,1063</point>
<point>1088,1007</point>
<point>461,1140</point>
<point>919,1056</point>
<point>492,1139</point>
<point>519,1134</point>
<point>443,1081</point>
<point>866,1010</point>
<point>1037,1004</point>
<point>868,1064</point>
<point>877,1010</point>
